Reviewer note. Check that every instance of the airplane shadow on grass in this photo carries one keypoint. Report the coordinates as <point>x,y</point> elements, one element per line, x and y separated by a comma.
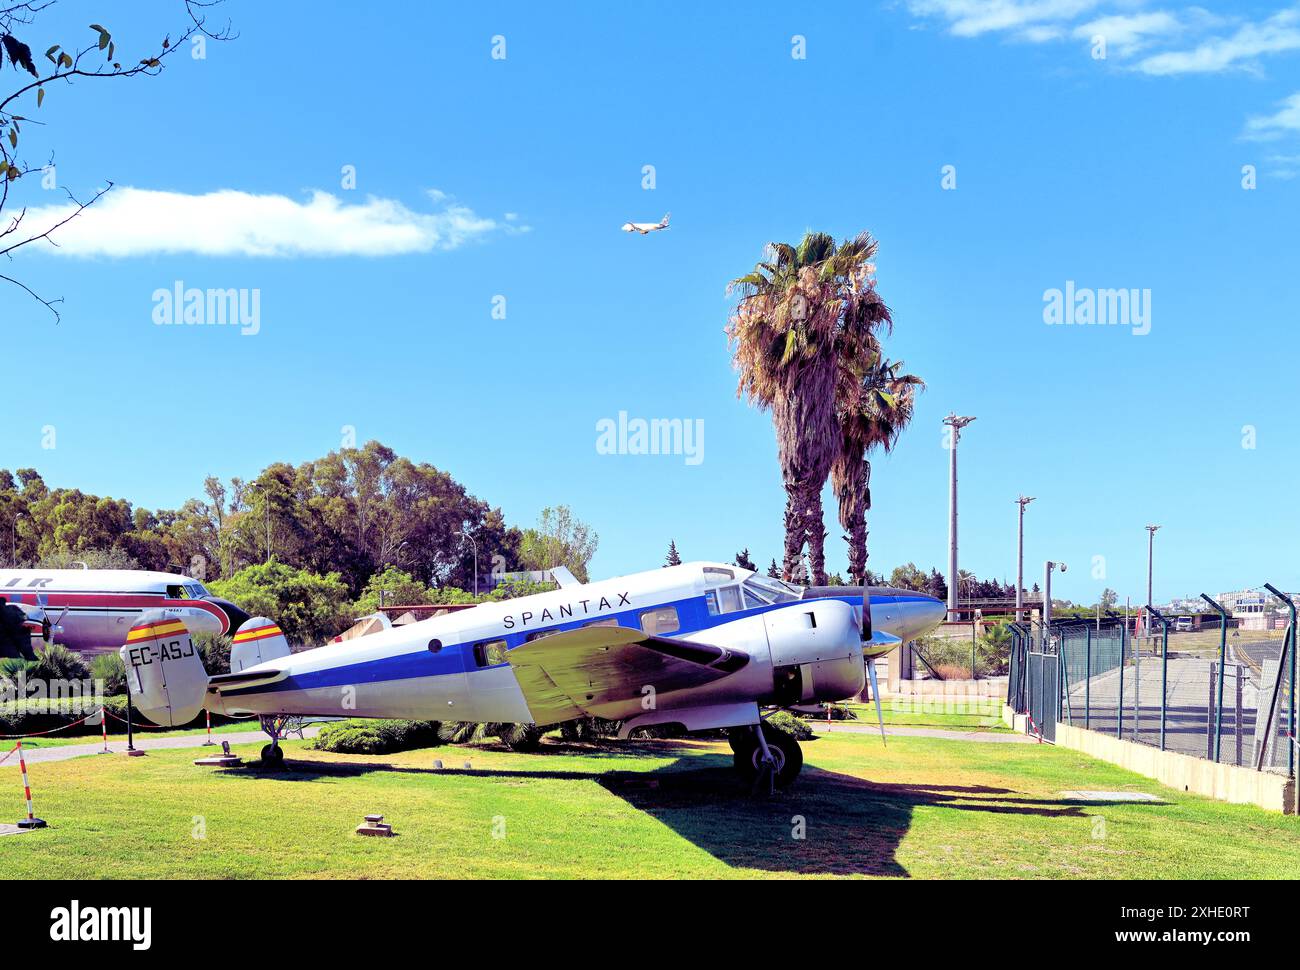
<point>849,825</point>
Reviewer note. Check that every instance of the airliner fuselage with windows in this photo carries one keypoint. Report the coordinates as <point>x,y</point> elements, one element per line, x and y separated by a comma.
<point>93,609</point>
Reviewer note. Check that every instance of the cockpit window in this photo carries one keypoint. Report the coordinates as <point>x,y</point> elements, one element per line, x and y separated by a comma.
<point>772,590</point>
<point>729,598</point>
<point>716,576</point>
<point>176,591</point>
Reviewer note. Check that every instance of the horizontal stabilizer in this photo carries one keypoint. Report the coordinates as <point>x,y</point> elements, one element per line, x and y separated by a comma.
<point>247,678</point>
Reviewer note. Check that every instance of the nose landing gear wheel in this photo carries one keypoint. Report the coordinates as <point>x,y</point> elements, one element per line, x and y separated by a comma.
<point>273,756</point>
<point>786,754</point>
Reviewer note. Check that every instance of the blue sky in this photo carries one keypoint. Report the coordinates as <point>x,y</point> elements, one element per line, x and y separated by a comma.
<point>478,177</point>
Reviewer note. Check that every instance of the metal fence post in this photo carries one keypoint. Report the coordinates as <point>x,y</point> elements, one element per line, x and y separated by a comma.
<point>1223,655</point>
<point>1164,671</point>
<point>1290,748</point>
<point>1210,732</point>
<point>1119,703</point>
<point>1087,681</point>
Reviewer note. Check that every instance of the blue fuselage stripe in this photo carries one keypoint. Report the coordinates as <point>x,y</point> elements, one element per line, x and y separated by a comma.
<point>458,658</point>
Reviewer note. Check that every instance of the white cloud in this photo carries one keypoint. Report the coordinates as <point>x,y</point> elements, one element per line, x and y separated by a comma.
<point>1284,121</point>
<point>1284,166</point>
<point>1276,35</point>
<point>1128,33</point>
<point>135,222</point>
<point>1033,20</point>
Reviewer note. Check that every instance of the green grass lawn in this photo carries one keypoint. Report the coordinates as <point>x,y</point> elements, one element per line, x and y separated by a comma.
<point>921,807</point>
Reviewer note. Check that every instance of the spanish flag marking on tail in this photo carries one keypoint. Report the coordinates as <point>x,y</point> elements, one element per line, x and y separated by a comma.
<point>155,631</point>
<point>260,633</point>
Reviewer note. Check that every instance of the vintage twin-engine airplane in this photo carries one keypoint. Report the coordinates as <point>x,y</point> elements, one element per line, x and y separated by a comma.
<point>92,609</point>
<point>701,646</point>
<point>645,228</point>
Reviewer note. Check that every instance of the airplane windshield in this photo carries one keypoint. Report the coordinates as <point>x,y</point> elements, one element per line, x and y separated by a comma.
<point>773,590</point>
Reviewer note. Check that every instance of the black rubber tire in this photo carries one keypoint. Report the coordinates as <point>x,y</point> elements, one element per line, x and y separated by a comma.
<point>785,749</point>
<point>273,754</point>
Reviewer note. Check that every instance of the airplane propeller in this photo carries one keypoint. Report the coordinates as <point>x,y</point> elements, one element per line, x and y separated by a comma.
<point>867,635</point>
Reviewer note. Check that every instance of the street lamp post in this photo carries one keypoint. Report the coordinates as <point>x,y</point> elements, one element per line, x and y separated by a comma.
<point>1047,593</point>
<point>1020,558</point>
<point>1151,541</point>
<point>474,546</point>
<point>956,423</point>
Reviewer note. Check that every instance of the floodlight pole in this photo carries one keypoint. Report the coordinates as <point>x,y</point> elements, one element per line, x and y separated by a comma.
<point>1151,541</point>
<point>956,423</point>
<point>1020,558</point>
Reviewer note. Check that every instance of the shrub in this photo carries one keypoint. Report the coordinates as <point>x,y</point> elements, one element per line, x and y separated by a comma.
<point>57,662</point>
<point>214,651</point>
<point>375,736</point>
<point>789,724</point>
<point>108,667</point>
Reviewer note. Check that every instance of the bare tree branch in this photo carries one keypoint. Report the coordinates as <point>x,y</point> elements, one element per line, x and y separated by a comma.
<point>68,67</point>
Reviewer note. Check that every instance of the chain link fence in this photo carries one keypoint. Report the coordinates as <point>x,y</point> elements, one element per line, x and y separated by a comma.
<point>1170,690</point>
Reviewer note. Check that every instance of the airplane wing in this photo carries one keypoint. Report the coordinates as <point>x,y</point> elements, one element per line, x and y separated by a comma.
<point>565,675</point>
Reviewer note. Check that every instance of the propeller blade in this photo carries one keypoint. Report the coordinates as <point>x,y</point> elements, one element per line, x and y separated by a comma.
<point>875,696</point>
<point>866,614</point>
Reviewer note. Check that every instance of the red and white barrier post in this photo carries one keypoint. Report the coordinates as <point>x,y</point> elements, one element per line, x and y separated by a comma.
<point>103,723</point>
<point>31,821</point>
<point>208,715</point>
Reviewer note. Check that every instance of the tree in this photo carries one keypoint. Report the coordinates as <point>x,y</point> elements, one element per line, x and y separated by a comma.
<point>559,540</point>
<point>907,577</point>
<point>308,608</point>
<point>772,571</point>
<point>800,309</point>
<point>673,558</point>
<point>398,588</point>
<point>873,405</point>
<point>1108,599</point>
<point>92,60</point>
<point>744,562</point>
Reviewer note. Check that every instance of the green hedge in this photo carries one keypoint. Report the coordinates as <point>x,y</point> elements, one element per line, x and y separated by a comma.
<point>33,717</point>
<point>376,736</point>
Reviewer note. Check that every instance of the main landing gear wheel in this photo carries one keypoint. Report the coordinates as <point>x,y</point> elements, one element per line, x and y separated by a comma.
<point>787,756</point>
<point>273,756</point>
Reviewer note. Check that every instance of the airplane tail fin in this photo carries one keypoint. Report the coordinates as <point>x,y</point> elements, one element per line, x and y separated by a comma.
<point>664,220</point>
<point>164,672</point>
<point>257,641</point>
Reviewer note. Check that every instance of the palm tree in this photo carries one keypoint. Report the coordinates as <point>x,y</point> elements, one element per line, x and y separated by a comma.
<point>801,309</point>
<point>874,405</point>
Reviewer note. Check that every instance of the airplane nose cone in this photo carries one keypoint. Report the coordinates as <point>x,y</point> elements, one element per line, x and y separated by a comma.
<point>931,612</point>
<point>234,614</point>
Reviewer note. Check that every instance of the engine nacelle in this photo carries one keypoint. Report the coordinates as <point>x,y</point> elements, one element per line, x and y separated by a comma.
<point>816,652</point>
